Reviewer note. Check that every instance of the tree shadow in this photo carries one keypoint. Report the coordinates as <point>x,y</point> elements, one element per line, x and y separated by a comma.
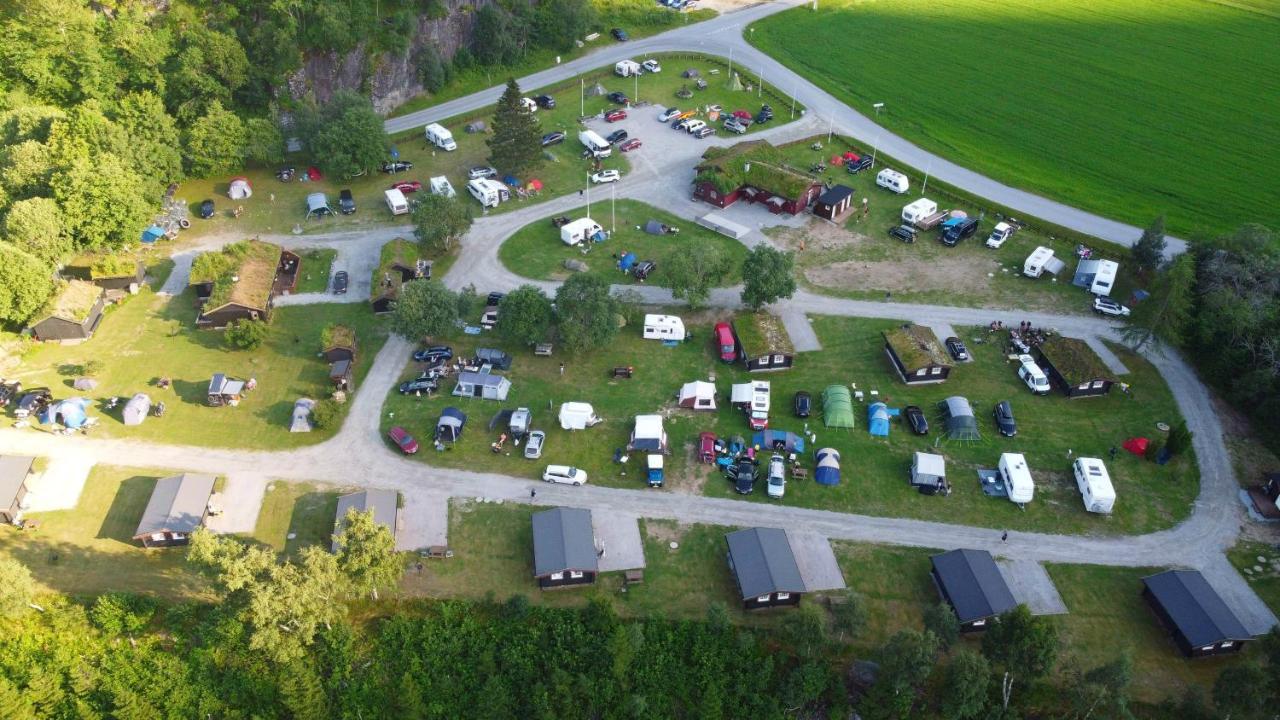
<point>130,502</point>
<point>195,392</point>
<point>311,521</point>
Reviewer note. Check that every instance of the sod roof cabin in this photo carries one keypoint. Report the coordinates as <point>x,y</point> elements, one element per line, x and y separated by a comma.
<point>338,342</point>
<point>916,355</point>
<point>762,343</point>
<point>1074,367</point>
<point>107,271</point>
<point>757,172</point>
<point>71,314</point>
<point>400,263</point>
<point>241,281</point>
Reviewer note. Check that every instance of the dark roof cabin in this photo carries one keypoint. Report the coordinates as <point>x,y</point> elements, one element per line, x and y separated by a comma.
<point>1073,366</point>
<point>384,504</point>
<point>971,583</point>
<point>114,272</point>
<point>338,342</point>
<point>341,374</point>
<point>399,264</point>
<point>72,314</point>
<point>754,171</point>
<point>564,548</point>
<point>834,202</point>
<point>241,282</point>
<point>1201,623</point>
<point>765,567</point>
<point>14,471</point>
<point>177,507</point>
<point>916,355</point>
<point>762,342</point>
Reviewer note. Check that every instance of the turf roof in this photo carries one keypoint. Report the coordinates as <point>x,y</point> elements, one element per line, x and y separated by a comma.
<point>338,336</point>
<point>242,273</point>
<point>395,254</point>
<point>113,266</point>
<point>1074,360</point>
<point>762,333</point>
<point>73,301</point>
<point>916,346</point>
<point>755,163</point>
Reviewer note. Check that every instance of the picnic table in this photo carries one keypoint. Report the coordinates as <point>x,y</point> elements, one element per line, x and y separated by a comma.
<point>799,473</point>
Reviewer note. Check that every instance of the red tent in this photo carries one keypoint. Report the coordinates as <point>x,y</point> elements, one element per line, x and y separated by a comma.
<point>535,184</point>
<point>1137,446</point>
<point>837,161</point>
<point>850,155</point>
<point>313,173</point>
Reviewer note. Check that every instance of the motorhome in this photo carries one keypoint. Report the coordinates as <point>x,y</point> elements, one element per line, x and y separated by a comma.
<point>579,231</point>
<point>440,137</point>
<point>597,145</point>
<point>893,180</point>
<point>1035,264</point>
<point>1017,478</point>
<point>1095,485</point>
<point>627,68</point>
<point>663,327</point>
<point>490,193</point>
<point>396,202</point>
<point>753,399</point>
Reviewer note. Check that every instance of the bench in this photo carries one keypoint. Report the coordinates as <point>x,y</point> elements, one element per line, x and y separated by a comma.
<point>542,349</point>
<point>624,371</point>
<point>799,473</point>
<point>634,577</point>
<point>437,551</point>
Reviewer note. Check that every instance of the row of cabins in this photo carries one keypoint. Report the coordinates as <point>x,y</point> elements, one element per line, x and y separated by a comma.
<point>75,309</point>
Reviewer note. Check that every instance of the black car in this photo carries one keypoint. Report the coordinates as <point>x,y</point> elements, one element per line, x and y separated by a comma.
<point>1005,423</point>
<point>206,209</point>
<point>552,138</point>
<point>618,97</point>
<point>905,233</point>
<point>346,203</point>
<point>616,137</point>
<point>765,114</point>
<point>681,123</point>
<point>803,404</point>
<point>744,476</point>
<point>494,299</point>
<point>619,34</point>
<point>853,167</point>
<point>419,384</point>
<point>643,269</point>
<point>957,349</point>
<point>34,402</point>
<point>546,102</point>
<point>340,280</point>
<point>434,354</point>
<point>953,234</point>
<point>9,391</point>
<point>397,166</point>
<point>915,420</point>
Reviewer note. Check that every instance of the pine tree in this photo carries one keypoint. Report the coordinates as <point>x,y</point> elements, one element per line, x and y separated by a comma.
<point>1148,252</point>
<point>516,145</point>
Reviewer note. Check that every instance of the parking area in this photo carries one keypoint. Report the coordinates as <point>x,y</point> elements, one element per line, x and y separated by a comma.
<point>818,566</point>
<point>238,504</point>
<point>424,520</point>
<point>1031,586</point>
<point>60,485</point>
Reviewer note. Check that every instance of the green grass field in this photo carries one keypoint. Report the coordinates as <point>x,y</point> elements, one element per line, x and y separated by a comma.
<point>317,265</point>
<point>1265,582</point>
<point>304,510</point>
<point>1129,109</point>
<point>536,251</point>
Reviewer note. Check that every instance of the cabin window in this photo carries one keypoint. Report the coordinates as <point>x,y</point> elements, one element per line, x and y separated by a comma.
<point>979,623</point>
<point>178,536</point>
<point>778,360</point>
<point>1097,384</point>
<point>1207,648</point>
<point>763,598</point>
<point>574,574</point>
<point>157,537</point>
<point>921,372</point>
<point>557,576</point>
<point>784,596</point>
<point>1084,386</point>
<point>935,371</point>
<point>1227,643</point>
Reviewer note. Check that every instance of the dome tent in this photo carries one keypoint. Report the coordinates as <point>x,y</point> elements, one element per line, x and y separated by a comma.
<point>828,467</point>
<point>837,407</point>
<point>878,419</point>
<point>135,411</point>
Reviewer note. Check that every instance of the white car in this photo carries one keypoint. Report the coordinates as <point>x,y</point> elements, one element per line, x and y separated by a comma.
<point>565,475</point>
<point>777,476</point>
<point>651,66</point>
<point>606,176</point>
<point>668,114</point>
<point>533,445</point>
<point>1031,374</point>
<point>1001,232</point>
<point>529,105</point>
<point>1106,306</point>
<point>694,126</point>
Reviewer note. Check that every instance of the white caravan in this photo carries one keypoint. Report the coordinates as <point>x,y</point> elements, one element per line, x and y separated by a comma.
<point>1017,478</point>
<point>663,327</point>
<point>440,137</point>
<point>1095,485</point>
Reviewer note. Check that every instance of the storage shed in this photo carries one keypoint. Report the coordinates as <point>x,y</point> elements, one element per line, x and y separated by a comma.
<point>1196,616</point>
<point>384,504</point>
<point>833,202</point>
<point>762,342</point>
<point>564,548</point>
<point>486,386</point>
<point>916,355</point>
<point>14,472</point>
<point>72,313</point>
<point>178,506</point>
<point>1073,367</point>
<point>972,584</point>
<point>765,568</point>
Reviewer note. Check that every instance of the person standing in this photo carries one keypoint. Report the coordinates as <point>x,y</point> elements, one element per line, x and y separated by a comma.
<point>1004,537</point>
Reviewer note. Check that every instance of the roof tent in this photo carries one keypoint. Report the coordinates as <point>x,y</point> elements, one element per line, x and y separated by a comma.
<point>1200,621</point>
<point>135,411</point>
<point>878,419</point>
<point>828,467</point>
<point>837,407</point>
<point>649,435</point>
<point>958,420</point>
<point>449,426</point>
<point>971,583</point>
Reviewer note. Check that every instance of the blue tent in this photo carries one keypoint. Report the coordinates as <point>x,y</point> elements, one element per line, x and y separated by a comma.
<point>511,180</point>
<point>778,440</point>
<point>828,470</point>
<point>878,419</point>
<point>600,237</point>
<point>449,426</point>
<point>70,413</point>
<point>626,261</point>
<point>152,234</point>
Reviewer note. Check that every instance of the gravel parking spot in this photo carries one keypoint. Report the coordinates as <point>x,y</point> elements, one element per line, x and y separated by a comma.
<point>818,566</point>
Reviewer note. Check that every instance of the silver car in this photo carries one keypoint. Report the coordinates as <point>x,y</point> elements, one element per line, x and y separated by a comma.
<point>533,446</point>
<point>777,476</point>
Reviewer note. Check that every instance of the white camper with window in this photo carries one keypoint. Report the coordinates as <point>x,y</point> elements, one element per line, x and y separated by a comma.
<point>579,231</point>
<point>578,416</point>
<point>440,185</point>
<point>627,68</point>
<point>1036,262</point>
<point>649,434</point>
<point>1095,485</point>
<point>1017,478</point>
<point>490,193</point>
<point>663,327</point>
<point>1104,279</point>
<point>918,210</point>
<point>592,141</point>
<point>396,202</point>
<point>440,137</point>
<point>893,180</point>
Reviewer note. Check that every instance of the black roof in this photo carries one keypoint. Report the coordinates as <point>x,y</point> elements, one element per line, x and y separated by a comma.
<point>763,561</point>
<point>563,540</point>
<point>972,582</point>
<point>1198,612</point>
<point>834,195</point>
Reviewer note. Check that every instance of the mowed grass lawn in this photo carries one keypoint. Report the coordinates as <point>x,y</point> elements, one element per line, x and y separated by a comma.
<point>317,265</point>
<point>304,510</point>
<point>874,469</point>
<point>1128,109</point>
<point>536,250</point>
<point>1265,582</point>
<point>150,337</point>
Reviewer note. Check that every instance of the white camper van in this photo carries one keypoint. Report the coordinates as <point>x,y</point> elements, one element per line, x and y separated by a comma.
<point>440,185</point>
<point>396,202</point>
<point>592,141</point>
<point>1017,477</point>
<point>627,68</point>
<point>490,193</point>
<point>1031,374</point>
<point>1095,485</point>
<point>1036,262</point>
<point>440,137</point>
<point>893,180</point>
<point>917,210</point>
<point>579,231</point>
<point>578,416</point>
<point>663,327</point>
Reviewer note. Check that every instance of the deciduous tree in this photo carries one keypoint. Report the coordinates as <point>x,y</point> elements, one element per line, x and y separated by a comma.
<point>1148,252</point>
<point>264,143</point>
<point>245,334</point>
<point>367,554</point>
<point>767,276</point>
<point>906,661</point>
<point>585,312</point>
<point>1022,645</point>
<point>849,615</point>
<point>966,686</point>
<point>1167,313</point>
<point>524,315</point>
<point>691,271</point>
<point>440,221</point>
<point>425,308</point>
<point>35,225</point>
<point>515,147</point>
<point>215,142</point>
<point>345,136</point>
<point>1239,693</point>
<point>941,620</point>
<point>103,202</point>
<point>17,588</point>
<point>25,284</point>
<point>1102,692</point>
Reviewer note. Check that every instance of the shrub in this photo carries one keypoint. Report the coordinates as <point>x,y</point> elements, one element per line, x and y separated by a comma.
<point>246,334</point>
<point>326,413</point>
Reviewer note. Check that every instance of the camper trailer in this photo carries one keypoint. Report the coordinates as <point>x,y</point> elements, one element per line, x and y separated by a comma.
<point>922,213</point>
<point>1034,267</point>
<point>649,435</point>
<point>1095,485</point>
<point>627,68</point>
<point>597,145</point>
<point>1096,276</point>
<point>579,231</point>
<point>490,193</point>
<point>663,327</point>
<point>396,202</point>
<point>578,416</point>
<point>440,185</point>
<point>893,180</point>
<point>1017,478</point>
<point>753,399</point>
<point>440,137</point>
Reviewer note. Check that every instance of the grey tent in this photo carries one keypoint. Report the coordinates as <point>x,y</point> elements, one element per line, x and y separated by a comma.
<point>958,420</point>
<point>318,205</point>
<point>177,507</point>
<point>449,426</point>
<point>492,356</point>
<point>596,90</point>
<point>653,227</point>
<point>482,385</point>
<point>301,421</point>
<point>84,384</point>
<point>476,126</point>
<point>135,411</point>
<point>690,73</point>
<point>575,265</point>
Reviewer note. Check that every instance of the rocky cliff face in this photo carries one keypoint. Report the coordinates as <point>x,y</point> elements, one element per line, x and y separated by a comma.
<point>389,78</point>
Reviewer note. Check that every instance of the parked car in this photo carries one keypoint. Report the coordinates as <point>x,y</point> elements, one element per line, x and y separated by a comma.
<point>565,475</point>
<point>953,233</point>
<point>434,354</point>
<point>915,419</point>
<point>707,447</point>
<point>651,65</point>
<point>407,186</point>
<point>340,280</point>
<point>615,115</point>
<point>1001,232</point>
<point>616,137</point>
<point>425,383</point>
<point>703,132</point>
<point>694,125</point>
<point>606,176</point>
<point>643,269</point>
<point>777,486</point>
<point>346,202</point>
<point>957,349</point>
<point>765,114</point>
<point>397,166</point>
<point>744,476</point>
<point>619,34</point>
<point>9,392</point>
<point>681,124</point>
<point>33,402</point>
<point>481,171</point>
<point>905,233</point>
<point>733,124</point>
<point>546,102</point>
<point>494,299</point>
<point>533,444</point>
<point>1005,423</point>
<point>206,209</point>
<point>1032,375</point>
<point>668,114</point>
<point>1106,306</point>
<point>403,440</point>
<point>853,167</point>
<point>803,404</point>
<point>552,138</point>
<point>630,145</point>
<point>618,97</point>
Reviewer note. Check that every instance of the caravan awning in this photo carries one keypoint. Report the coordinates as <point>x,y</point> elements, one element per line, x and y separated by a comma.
<point>1054,265</point>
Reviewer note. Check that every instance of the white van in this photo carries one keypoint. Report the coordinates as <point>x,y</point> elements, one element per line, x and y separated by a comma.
<point>893,180</point>
<point>627,68</point>
<point>490,193</point>
<point>663,327</point>
<point>579,231</point>
<point>918,210</point>
<point>529,105</point>
<point>1031,374</point>
<point>440,185</point>
<point>694,126</point>
<point>1036,261</point>
<point>1095,485</point>
<point>396,202</point>
<point>592,141</point>
<point>440,137</point>
<point>1017,477</point>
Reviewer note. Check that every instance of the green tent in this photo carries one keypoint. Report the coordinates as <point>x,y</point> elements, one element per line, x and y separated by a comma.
<point>837,407</point>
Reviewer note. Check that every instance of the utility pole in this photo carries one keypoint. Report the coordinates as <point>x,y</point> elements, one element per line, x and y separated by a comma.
<point>793,102</point>
<point>730,63</point>
<point>925,186</point>
<point>613,214</point>
<point>582,97</point>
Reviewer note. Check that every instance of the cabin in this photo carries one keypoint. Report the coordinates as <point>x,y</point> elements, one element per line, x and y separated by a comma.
<point>1073,367</point>
<point>384,504</point>
<point>178,506</point>
<point>71,315</point>
<point>564,548</point>
<point>916,355</point>
<point>114,272</point>
<point>400,263</point>
<point>341,374</point>
<point>756,172</point>
<point>15,471</point>
<point>834,202</point>
<point>337,343</point>
<point>765,568</point>
<point>1200,622</point>
<point>972,584</point>
<point>241,282</point>
<point>761,342</point>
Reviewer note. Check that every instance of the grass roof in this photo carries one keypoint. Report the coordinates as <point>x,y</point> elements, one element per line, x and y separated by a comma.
<point>337,336</point>
<point>762,333</point>
<point>241,273</point>
<point>1074,360</point>
<point>113,266</point>
<point>395,254</point>
<point>72,300</point>
<point>916,346</point>
<point>755,163</point>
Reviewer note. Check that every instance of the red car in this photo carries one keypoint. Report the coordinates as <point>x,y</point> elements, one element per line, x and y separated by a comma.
<point>707,447</point>
<point>403,440</point>
<point>630,145</point>
<point>407,186</point>
<point>615,115</point>
<point>742,115</point>
<point>726,346</point>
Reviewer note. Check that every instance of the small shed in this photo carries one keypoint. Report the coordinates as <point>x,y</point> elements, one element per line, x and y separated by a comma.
<point>837,407</point>
<point>765,568</point>
<point>957,419</point>
<point>1193,612</point>
<point>834,202</point>
<point>72,314</point>
<point>384,504</point>
<point>1073,367</point>
<point>14,473</point>
<point>486,386</point>
<point>301,419</point>
<point>972,584</point>
<point>338,342</point>
<point>449,426</point>
<point>827,472</point>
<point>928,472</point>
<point>564,548</point>
<point>698,395</point>
<point>224,390</point>
<point>341,374</point>
<point>916,355</point>
<point>178,506</point>
<point>136,410</point>
<point>762,342</point>
<point>878,419</point>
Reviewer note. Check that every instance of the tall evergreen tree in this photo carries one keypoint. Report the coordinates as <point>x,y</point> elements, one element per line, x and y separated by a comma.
<point>1148,252</point>
<point>516,145</point>
<point>1167,313</point>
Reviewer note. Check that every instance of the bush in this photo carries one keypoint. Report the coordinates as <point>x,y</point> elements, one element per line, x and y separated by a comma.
<point>121,613</point>
<point>326,413</point>
<point>246,334</point>
<point>1179,439</point>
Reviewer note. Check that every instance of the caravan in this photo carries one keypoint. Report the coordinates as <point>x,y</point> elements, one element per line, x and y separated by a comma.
<point>922,213</point>
<point>893,180</point>
<point>596,145</point>
<point>1037,261</point>
<point>1096,276</point>
<point>440,137</point>
<point>627,68</point>
<point>579,231</point>
<point>396,202</point>
<point>490,193</point>
<point>663,327</point>
<point>753,399</point>
<point>1095,485</point>
<point>1017,478</point>
<point>440,185</point>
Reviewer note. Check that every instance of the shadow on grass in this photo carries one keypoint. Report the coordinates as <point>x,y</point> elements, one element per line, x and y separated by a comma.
<point>311,521</point>
<point>130,501</point>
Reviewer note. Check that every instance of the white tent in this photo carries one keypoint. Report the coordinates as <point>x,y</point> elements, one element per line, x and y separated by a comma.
<point>239,189</point>
<point>1017,477</point>
<point>928,469</point>
<point>698,395</point>
<point>302,415</point>
<point>135,411</point>
<point>649,434</point>
<point>1094,481</point>
<point>318,204</point>
<point>577,416</point>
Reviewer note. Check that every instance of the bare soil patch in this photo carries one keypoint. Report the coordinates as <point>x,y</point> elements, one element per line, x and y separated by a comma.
<point>902,275</point>
<point>665,531</point>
